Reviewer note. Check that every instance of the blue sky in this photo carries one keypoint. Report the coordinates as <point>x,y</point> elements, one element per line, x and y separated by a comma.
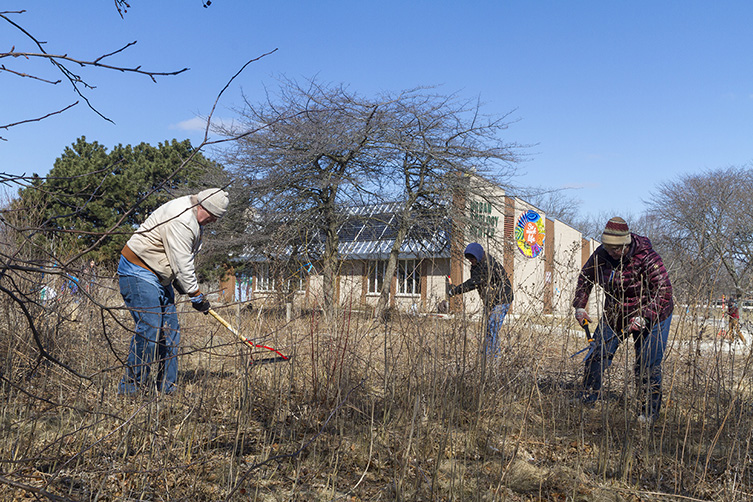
<point>612,97</point>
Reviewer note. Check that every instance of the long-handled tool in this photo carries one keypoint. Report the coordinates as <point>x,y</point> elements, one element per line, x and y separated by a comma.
<point>276,359</point>
<point>588,338</point>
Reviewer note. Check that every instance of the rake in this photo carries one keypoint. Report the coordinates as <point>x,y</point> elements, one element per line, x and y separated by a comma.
<point>280,357</point>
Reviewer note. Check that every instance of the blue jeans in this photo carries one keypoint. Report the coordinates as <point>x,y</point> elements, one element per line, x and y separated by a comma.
<point>649,348</point>
<point>157,332</point>
<point>493,325</point>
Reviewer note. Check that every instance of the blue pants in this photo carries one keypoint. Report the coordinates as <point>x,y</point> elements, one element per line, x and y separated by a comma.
<point>649,352</point>
<point>157,334</point>
<point>493,325</point>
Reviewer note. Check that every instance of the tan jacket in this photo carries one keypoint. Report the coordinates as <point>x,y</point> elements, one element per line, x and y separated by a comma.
<point>168,241</point>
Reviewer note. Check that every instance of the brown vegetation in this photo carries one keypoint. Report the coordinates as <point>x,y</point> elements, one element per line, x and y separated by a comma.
<point>403,410</point>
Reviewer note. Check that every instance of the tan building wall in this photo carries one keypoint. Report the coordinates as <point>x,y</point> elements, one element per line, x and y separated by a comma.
<point>566,264</point>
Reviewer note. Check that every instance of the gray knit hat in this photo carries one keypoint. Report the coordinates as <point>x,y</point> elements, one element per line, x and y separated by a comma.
<point>616,233</point>
<point>214,200</point>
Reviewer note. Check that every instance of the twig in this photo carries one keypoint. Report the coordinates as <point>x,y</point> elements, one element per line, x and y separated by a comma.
<point>8,126</point>
<point>299,450</point>
<point>33,489</point>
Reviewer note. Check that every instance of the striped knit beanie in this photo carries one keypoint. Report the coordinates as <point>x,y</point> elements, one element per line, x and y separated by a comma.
<point>616,233</point>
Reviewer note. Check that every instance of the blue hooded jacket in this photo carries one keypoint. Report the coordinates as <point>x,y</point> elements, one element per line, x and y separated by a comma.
<point>488,277</point>
<point>476,250</point>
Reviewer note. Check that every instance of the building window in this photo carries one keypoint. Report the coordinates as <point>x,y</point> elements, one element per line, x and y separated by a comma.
<point>264,279</point>
<point>376,275</point>
<point>266,282</point>
<point>409,277</point>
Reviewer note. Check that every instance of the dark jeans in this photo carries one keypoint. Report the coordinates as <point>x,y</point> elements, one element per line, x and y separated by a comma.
<point>649,346</point>
<point>157,334</point>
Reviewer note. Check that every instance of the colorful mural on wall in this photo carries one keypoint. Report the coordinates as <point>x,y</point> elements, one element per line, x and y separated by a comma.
<point>530,233</point>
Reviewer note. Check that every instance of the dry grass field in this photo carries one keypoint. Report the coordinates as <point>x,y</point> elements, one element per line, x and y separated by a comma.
<point>406,410</point>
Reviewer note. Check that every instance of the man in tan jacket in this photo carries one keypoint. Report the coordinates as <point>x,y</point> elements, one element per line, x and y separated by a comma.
<point>157,257</point>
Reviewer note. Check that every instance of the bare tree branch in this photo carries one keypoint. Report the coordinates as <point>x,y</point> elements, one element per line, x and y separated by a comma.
<point>59,62</point>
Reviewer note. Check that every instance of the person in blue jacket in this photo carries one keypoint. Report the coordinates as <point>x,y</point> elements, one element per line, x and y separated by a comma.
<point>490,279</point>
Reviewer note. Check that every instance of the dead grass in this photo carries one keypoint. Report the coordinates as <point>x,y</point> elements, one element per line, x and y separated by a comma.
<point>405,410</point>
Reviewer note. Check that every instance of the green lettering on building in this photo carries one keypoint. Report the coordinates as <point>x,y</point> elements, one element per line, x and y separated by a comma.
<point>482,224</point>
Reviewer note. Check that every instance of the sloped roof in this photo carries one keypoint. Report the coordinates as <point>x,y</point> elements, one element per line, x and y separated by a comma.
<point>369,234</point>
<point>369,231</point>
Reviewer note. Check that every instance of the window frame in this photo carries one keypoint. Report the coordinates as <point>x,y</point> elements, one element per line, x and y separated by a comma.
<point>376,271</point>
<point>408,275</point>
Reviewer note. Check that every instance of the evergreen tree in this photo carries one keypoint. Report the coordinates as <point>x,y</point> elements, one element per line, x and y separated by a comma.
<point>93,200</point>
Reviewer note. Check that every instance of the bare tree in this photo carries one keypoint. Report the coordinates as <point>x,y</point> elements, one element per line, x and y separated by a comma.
<point>318,149</point>
<point>313,149</point>
<point>437,143</point>
<point>556,203</point>
<point>706,224</point>
<point>592,225</point>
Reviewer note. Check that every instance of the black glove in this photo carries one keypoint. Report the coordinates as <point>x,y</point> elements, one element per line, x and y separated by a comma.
<point>201,304</point>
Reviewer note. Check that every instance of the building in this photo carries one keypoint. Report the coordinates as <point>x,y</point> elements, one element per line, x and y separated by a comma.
<point>542,256</point>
